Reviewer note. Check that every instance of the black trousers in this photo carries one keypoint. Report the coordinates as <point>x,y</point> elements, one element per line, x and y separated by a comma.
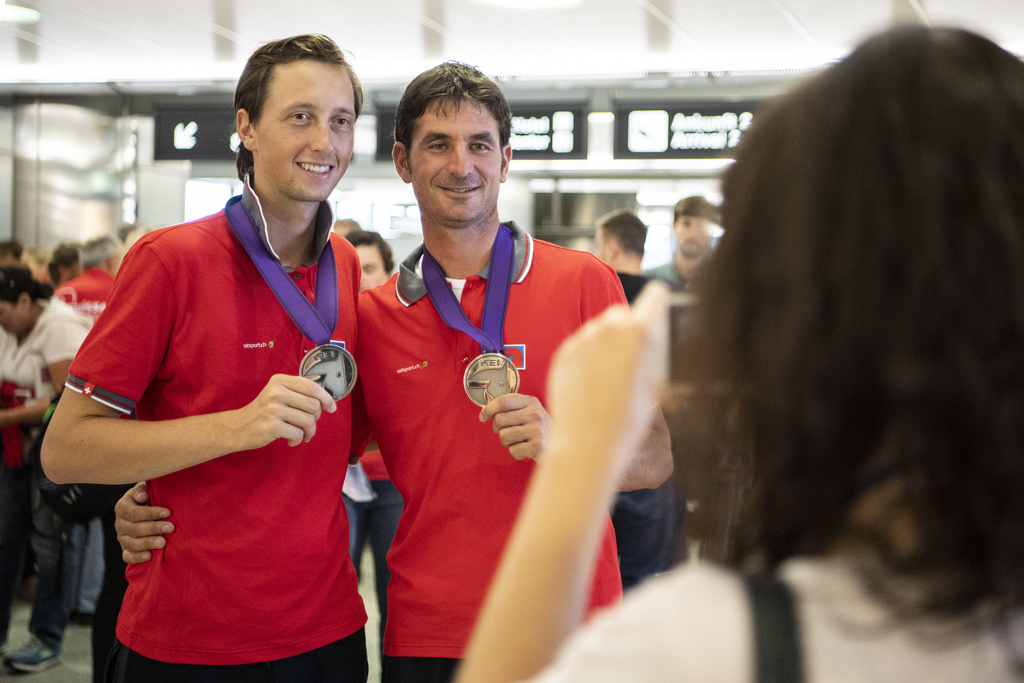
<point>108,606</point>
<point>343,661</point>
<point>418,669</point>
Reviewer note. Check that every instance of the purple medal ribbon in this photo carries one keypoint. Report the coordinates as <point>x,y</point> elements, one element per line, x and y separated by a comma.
<point>309,320</point>
<point>499,280</point>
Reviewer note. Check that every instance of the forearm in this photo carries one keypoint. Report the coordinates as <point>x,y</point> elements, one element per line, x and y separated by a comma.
<point>107,450</point>
<point>30,413</point>
<point>651,465</point>
<point>88,442</point>
<point>550,558</point>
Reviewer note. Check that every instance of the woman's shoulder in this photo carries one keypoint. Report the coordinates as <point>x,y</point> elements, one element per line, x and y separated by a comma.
<point>689,624</point>
<point>59,314</point>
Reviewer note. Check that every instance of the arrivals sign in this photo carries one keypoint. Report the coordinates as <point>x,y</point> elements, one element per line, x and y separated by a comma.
<point>195,133</point>
<point>681,130</point>
<point>539,131</point>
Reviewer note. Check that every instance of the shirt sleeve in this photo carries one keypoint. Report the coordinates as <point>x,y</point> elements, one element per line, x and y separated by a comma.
<point>127,345</point>
<point>601,288</point>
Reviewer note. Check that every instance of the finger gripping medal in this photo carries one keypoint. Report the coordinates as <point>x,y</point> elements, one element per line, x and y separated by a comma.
<point>489,376</point>
<point>332,367</point>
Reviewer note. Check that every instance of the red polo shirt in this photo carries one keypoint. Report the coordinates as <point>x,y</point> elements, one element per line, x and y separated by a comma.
<point>462,489</point>
<point>258,567</point>
<point>88,292</point>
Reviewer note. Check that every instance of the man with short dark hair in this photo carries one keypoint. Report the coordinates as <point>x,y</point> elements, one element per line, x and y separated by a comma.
<point>456,396</point>
<point>202,341</point>
<point>87,293</point>
<point>375,257</point>
<point>693,222</point>
<point>65,263</point>
<point>619,242</point>
<point>10,254</point>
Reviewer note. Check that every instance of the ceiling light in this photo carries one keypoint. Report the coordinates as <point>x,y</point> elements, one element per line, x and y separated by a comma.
<point>13,14</point>
<point>529,4</point>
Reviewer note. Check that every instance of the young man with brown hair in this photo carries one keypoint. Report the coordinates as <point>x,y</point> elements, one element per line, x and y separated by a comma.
<point>202,341</point>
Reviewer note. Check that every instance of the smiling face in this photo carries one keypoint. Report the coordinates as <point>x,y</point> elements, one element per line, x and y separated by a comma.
<point>456,164</point>
<point>302,143</point>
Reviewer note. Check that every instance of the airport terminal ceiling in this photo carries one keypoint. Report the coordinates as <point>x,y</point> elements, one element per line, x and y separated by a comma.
<point>596,59</point>
<point>192,46</point>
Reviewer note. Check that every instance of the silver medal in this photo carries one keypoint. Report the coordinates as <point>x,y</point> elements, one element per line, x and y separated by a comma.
<point>332,367</point>
<point>490,375</point>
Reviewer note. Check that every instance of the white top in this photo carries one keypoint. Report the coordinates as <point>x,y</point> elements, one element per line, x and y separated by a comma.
<point>57,334</point>
<point>693,624</point>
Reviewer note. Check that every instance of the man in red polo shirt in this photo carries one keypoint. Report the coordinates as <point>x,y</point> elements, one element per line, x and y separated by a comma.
<point>202,340</point>
<point>87,293</point>
<point>477,292</point>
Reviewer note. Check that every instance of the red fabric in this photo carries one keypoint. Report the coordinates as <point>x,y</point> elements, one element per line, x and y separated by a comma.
<point>258,567</point>
<point>462,489</point>
<point>12,436</point>
<point>373,465</point>
<point>88,292</point>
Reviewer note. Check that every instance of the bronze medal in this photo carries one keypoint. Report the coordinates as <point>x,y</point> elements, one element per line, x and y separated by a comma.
<point>488,376</point>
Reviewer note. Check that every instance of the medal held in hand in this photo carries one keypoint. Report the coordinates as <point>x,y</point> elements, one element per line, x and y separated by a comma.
<point>332,367</point>
<point>491,374</point>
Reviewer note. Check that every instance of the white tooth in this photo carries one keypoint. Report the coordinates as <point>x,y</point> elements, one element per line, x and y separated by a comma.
<point>315,169</point>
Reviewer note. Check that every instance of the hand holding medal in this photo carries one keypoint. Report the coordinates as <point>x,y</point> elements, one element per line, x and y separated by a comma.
<point>332,367</point>
<point>491,374</point>
<point>328,364</point>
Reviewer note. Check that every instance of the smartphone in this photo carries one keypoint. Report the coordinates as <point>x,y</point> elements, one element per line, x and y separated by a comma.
<point>679,361</point>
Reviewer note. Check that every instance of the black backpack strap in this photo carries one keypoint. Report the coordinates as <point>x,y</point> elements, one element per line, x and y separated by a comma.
<point>777,656</point>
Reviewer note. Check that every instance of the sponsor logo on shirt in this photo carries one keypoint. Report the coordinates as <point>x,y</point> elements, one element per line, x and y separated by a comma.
<point>258,345</point>
<point>412,367</point>
<point>515,352</point>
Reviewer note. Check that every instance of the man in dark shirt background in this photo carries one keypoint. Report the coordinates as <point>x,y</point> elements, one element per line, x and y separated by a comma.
<point>645,520</point>
<point>620,241</point>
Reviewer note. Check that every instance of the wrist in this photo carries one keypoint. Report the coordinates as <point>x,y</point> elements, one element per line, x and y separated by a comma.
<point>229,433</point>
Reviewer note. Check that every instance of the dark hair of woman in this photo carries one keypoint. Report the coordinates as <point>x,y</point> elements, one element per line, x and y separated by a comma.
<point>15,281</point>
<point>866,308</point>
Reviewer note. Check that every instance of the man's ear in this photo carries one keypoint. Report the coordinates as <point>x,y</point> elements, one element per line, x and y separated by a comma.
<point>400,155</point>
<point>506,159</point>
<point>245,129</point>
